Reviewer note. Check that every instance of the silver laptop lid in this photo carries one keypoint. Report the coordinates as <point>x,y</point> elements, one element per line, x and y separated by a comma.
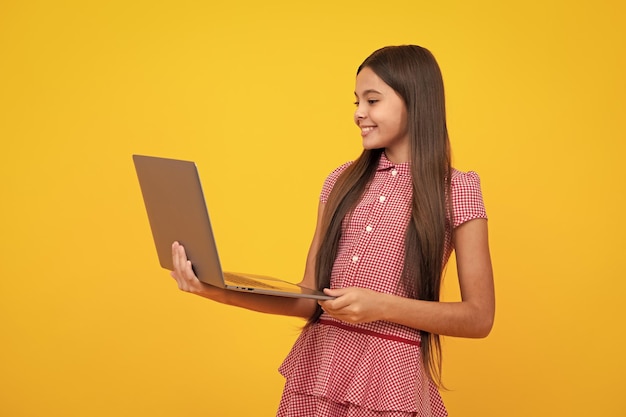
<point>177,211</point>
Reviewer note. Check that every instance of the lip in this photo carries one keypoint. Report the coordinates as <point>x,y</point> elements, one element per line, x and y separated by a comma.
<point>366,130</point>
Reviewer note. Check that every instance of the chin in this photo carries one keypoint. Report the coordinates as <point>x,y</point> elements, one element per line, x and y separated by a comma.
<point>369,146</point>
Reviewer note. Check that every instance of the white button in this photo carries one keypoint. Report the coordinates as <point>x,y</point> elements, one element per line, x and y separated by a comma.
<point>369,228</point>
<point>394,172</point>
<point>382,198</point>
<point>355,258</point>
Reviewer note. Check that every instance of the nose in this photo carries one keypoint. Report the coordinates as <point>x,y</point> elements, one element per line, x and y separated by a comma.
<point>359,114</point>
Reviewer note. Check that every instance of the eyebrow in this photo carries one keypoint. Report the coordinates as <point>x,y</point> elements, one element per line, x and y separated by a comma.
<point>371,90</point>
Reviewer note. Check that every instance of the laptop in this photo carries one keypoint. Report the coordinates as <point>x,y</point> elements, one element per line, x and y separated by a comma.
<point>177,211</point>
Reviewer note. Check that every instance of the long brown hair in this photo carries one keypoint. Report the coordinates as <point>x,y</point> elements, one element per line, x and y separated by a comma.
<point>414,74</point>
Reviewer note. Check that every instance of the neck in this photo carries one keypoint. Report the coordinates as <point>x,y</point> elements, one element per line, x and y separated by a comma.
<point>397,157</point>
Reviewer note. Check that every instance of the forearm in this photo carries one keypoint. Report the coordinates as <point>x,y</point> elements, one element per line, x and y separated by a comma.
<point>460,319</point>
<point>297,307</point>
<point>472,317</point>
<point>188,282</point>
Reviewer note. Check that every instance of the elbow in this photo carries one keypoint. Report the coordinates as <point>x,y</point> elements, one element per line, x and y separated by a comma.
<point>482,326</point>
<point>478,322</point>
<point>305,308</point>
<point>484,329</point>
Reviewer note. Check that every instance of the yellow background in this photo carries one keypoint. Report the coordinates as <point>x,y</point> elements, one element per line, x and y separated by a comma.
<point>260,95</point>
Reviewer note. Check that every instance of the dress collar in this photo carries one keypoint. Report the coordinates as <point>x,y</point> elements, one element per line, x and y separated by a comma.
<point>385,164</point>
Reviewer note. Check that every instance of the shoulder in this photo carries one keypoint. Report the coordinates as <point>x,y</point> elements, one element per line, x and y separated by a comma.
<point>464,181</point>
<point>331,179</point>
<point>467,197</point>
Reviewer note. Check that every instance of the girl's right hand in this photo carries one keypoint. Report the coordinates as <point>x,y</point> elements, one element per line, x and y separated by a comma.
<point>188,281</point>
<point>183,273</point>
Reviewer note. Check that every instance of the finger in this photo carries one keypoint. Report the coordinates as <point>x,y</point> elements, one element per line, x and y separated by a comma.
<point>176,256</point>
<point>332,304</point>
<point>335,292</point>
<point>337,303</point>
<point>339,315</point>
<point>181,262</point>
<point>179,259</point>
<point>189,271</point>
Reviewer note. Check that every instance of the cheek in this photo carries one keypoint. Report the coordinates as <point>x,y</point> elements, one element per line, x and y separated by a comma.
<point>403,122</point>
<point>404,125</point>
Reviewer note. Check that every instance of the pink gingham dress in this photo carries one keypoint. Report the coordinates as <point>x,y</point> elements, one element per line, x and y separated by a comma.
<point>371,370</point>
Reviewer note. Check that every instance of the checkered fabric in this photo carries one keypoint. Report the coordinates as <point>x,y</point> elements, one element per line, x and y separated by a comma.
<point>374,369</point>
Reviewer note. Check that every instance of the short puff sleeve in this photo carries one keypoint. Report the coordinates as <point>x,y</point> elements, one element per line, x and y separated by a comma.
<point>331,180</point>
<point>467,197</point>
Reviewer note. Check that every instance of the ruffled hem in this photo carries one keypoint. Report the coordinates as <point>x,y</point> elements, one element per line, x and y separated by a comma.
<point>371,372</point>
<point>293,404</point>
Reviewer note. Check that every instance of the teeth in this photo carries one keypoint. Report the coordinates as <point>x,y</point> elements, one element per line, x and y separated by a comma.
<point>367,129</point>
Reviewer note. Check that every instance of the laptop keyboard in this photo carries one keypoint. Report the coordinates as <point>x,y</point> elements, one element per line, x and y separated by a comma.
<point>248,282</point>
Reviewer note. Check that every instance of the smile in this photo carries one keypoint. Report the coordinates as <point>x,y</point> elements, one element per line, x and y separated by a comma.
<point>366,129</point>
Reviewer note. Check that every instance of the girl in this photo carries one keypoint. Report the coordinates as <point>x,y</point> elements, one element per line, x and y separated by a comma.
<point>387,224</point>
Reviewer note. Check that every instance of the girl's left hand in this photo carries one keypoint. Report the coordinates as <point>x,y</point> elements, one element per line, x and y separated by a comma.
<point>354,305</point>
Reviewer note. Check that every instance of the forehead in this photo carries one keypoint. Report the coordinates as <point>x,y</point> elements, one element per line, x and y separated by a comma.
<point>367,81</point>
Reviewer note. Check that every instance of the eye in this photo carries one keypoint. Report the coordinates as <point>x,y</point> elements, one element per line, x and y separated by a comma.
<point>371,102</point>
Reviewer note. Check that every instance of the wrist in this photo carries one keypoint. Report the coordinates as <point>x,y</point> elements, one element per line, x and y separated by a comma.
<point>386,306</point>
<point>206,291</point>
